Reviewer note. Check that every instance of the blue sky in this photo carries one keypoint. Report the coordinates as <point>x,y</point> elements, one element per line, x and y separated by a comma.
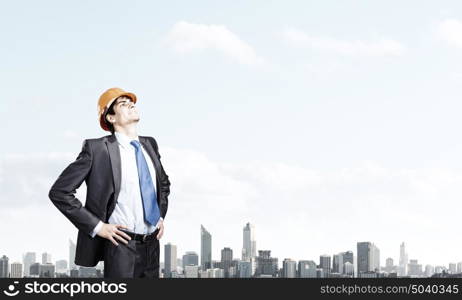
<point>323,87</point>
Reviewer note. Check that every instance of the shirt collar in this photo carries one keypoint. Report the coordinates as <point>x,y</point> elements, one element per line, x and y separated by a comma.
<point>124,140</point>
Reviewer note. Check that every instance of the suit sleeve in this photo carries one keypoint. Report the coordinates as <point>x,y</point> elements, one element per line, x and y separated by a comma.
<point>62,193</point>
<point>164,183</point>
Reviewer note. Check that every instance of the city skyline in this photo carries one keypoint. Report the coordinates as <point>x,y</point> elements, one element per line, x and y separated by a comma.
<point>366,262</point>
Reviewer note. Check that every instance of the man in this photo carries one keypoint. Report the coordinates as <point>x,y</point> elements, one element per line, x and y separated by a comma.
<point>127,194</point>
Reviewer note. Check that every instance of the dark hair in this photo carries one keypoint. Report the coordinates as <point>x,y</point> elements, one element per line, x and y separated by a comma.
<point>110,111</point>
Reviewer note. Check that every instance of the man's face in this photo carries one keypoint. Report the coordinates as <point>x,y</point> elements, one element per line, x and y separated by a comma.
<point>125,112</point>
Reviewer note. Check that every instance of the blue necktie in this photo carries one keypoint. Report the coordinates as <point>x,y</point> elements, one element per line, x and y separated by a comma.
<point>148,193</point>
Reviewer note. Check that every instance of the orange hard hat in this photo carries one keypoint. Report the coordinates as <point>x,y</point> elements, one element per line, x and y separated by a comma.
<point>106,99</point>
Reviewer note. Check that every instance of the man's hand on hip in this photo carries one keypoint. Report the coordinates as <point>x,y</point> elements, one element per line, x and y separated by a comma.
<point>112,232</point>
<point>160,225</point>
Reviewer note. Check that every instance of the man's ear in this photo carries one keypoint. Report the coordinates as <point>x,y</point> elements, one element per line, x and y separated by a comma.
<point>110,118</point>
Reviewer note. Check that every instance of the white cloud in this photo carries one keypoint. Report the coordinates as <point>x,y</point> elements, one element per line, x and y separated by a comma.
<point>382,47</point>
<point>450,31</point>
<point>187,37</point>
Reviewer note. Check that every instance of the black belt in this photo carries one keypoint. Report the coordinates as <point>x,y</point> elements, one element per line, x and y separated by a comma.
<point>141,237</point>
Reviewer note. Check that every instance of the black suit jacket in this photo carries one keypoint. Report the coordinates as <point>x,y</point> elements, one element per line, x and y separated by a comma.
<point>98,164</point>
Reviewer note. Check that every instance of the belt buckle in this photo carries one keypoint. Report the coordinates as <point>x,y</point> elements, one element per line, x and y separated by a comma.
<point>144,237</point>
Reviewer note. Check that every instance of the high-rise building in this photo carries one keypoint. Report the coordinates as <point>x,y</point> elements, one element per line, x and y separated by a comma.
<point>266,265</point>
<point>190,258</point>
<point>289,268</point>
<point>46,258</point>
<point>414,268</point>
<point>169,260</point>
<point>325,265</point>
<point>244,269</point>
<point>375,258</point>
<point>226,260</point>
<point>429,270</point>
<point>47,270</point>
<point>191,271</point>
<point>363,257</point>
<point>349,269</point>
<point>72,247</point>
<point>307,269</point>
<point>459,267</point>
<point>206,249</point>
<point>28,259</point>
<point>16,270</point>
<point>368,257</point>
<point>403,260</point>
<point>452,268</point>
<point>347,256</point>
<point>74,273</point>
<point>4,267</point>
<point>249,245</point>
<point>337,264</point>
<point>389,262</point>
<point>34,270</point>
<point>389,266</point>
<point>61,266</point>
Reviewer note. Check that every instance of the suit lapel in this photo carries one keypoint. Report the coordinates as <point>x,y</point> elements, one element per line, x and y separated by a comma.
<point>114,154</point>
<point>150,150</point>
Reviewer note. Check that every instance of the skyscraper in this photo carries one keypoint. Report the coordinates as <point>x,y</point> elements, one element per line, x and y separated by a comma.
<point>363,252</point>
<point>348,256</point>
<point>368,257</point>
<point>16,270</point>
<point>375,258</point>
<point>429,270</point>
<point>46,258</point>
<point>452,268</point>
<point>249,245</point>
<point>414,268</point>
<point>307,269</point>
<point>28,259</point>
<point>389,266</point>
<point>4,267</point>
<point>289,268</point>
<point>169,260</point>
<point>349,269</point>
<point>226,259</point>
<point>206,249</point>
<point>266,265</point>
<point>71,255</point>
<point>325,265</point>
<point>47,270</point>
<point>190,258</point>
<point>61,266</point>
<point>403,260</point>
<point>245,269</point>
<point>337,264</point>
<point>35,269</point>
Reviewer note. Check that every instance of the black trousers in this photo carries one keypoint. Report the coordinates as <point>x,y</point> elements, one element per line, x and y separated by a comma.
<point>136,259</point>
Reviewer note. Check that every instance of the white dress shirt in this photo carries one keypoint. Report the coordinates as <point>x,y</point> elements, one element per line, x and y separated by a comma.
<point>128,210</point>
